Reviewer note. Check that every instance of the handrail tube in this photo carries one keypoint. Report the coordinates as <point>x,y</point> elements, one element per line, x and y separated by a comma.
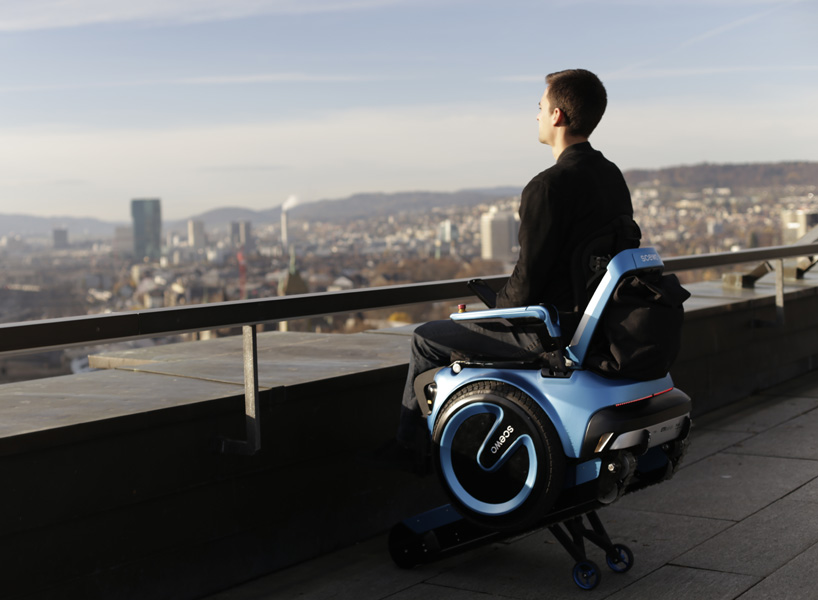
<point>705,261</point>
<point>65,332</point>
<point>50,334</point>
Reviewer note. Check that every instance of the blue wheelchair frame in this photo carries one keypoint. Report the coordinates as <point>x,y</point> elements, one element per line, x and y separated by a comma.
<point>608,429</point>
<point>568,402</point>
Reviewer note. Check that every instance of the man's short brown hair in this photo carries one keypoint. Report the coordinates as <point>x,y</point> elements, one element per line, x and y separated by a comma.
<point>581,97</point>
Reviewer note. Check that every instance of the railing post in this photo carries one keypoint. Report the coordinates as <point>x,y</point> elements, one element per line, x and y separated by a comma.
<point>778,265</point>
<point>252,443</point>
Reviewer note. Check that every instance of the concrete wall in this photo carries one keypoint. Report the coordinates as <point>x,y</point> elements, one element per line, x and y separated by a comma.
<point>114,485</point>
<point>733,344</point>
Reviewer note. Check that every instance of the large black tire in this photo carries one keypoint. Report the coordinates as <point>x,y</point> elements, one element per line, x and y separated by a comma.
<point>498,455</point>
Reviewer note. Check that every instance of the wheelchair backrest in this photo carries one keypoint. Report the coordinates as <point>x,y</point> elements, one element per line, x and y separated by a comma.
<point>625,263</point>
<point>589,260</point>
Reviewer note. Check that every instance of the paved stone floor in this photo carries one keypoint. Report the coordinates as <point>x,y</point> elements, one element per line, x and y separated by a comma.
<point>739,520</point>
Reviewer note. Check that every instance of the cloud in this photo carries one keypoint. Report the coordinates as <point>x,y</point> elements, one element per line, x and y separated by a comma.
<point>336,154</point>
<point>213,80</point>
<point>267,78</point>
<point>695,129</point>
<point>27,15</point>
<point>670,72</point>
<point>673,72</point>
<point>520,79</point>
<point>246,168</point>
<point>717,31</point>
<point>773,6</point>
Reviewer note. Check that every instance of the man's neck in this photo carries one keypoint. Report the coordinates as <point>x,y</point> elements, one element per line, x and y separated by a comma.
<point>564,142</point>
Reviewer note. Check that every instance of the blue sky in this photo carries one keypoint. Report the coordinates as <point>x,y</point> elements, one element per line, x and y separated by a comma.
<point>208,103</point>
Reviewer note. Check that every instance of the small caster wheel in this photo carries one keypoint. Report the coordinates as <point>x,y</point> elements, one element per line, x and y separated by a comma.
<point>623,561</point>
<point>587,575</point>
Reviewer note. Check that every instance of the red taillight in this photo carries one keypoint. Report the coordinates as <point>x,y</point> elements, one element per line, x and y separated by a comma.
<point>645,398</point>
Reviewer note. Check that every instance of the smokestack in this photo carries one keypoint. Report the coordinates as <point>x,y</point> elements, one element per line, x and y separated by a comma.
<point>283,227</point>
<point>288,204</point>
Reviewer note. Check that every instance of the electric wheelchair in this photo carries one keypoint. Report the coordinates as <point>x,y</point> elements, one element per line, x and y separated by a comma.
<point>544,443</point>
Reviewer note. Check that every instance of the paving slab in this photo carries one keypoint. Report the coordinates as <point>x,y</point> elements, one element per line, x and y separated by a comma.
<point>760,544</point>
<point>523,570</point>
<point>707,442</point>
<point>793,581</point>
<point>796,438</point>
<point>806,493</point>
<point>363,571</point>
<point>678,583</point>
<point>805,385</point>
<point>726,486</point>
<point>759,413</point>
<point>528,566</point>
<point>434,592</point>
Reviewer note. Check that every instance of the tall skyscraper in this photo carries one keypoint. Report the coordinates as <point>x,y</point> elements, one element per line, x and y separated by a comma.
<point>498,233</point>
<point>147,228</point>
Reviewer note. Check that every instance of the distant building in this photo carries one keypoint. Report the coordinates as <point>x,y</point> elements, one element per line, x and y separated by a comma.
<point>241,235</point>
<point>447,236</point>
<point>13,243</point>
<point>246,235</point>
<point>123,241</point>
<point>796,224</point>
<point>147,228</point>
<point>498,234</point>
<point>196,235</point>
<point>60,238</point>
<point>447,232</point>
<point>291,284</point>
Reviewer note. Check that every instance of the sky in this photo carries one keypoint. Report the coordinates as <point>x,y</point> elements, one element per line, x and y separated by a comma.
<point>213,103</point>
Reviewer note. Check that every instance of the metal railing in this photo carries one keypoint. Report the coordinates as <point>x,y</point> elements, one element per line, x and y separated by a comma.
<point>49,334</point>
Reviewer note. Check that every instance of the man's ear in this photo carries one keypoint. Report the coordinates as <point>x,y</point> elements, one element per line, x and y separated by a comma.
<point>558,118</point>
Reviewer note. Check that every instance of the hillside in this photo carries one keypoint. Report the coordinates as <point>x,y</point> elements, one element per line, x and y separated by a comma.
<point>740,176</point>
<point>694,177</point>
<point>79,227</point>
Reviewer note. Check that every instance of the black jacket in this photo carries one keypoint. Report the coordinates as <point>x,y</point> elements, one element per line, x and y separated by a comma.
<point>559,209</point>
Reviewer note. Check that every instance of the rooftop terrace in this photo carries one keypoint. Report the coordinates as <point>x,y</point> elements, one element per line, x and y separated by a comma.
<point>115,486</point>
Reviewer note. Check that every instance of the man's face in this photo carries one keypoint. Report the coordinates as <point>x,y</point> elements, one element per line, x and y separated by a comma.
<point>545,119</point>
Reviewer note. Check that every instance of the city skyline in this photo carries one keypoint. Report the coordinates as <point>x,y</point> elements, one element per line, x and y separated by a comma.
<point>208,103</point>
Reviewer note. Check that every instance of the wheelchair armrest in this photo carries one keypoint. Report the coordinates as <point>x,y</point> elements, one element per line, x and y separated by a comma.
<point>519,315</point>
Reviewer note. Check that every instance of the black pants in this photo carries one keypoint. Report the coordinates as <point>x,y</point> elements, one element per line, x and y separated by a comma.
<point>432,347</point>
